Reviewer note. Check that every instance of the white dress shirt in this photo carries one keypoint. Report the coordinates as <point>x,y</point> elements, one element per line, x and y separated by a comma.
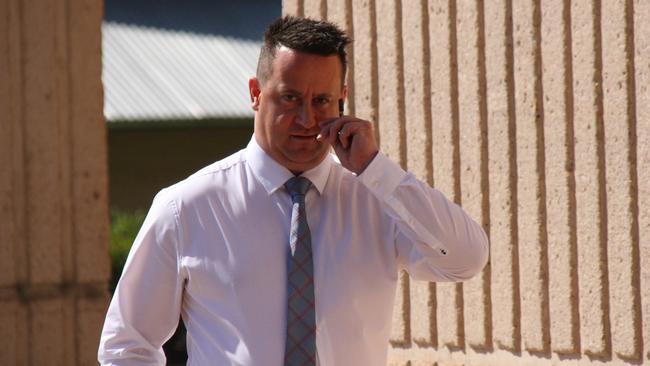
<point>214,246</point>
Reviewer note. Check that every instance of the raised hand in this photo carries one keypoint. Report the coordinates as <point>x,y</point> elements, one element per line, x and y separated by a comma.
<point>353,140</point>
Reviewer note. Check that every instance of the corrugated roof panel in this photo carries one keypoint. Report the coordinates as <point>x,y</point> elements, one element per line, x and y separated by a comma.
<point>155,74</point>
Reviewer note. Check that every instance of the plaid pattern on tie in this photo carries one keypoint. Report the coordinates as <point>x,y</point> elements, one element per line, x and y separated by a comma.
<point>300,349</point>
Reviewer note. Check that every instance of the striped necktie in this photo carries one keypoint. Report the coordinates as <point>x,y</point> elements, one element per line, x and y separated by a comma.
<point>300,349</point>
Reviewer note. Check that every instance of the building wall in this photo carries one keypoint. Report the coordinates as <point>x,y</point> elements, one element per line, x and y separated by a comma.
<point>54,265</point>
<point>535,116</point>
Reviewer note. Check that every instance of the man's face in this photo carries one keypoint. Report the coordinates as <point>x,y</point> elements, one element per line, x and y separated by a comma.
<point>302,90</point>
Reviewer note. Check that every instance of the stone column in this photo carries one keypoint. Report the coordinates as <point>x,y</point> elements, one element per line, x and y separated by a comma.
<point>54,263</point>
<point>535,117</point>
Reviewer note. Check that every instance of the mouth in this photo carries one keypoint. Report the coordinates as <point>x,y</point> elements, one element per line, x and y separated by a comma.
<point>309,137</point>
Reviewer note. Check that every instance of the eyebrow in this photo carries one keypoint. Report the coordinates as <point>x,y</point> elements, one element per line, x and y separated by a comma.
<point>294,91</point>
<point>328,95</point>
<point>289,90</point>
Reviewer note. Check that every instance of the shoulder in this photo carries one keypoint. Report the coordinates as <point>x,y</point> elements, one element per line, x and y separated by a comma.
<point>222,167</point>
<point>211,179</point>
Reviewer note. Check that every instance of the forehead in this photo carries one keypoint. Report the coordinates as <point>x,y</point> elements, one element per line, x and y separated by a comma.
<point>299,68</point>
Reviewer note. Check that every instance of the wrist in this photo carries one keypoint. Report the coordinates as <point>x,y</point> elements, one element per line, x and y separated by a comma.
<point>366,162</point>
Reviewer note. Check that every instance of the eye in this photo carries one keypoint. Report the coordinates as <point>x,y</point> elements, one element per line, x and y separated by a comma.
<point>321,101</point>
<point>289,98</point>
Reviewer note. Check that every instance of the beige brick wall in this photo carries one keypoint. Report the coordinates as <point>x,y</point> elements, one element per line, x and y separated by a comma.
<point>53,184</point>
<point>535,116</point>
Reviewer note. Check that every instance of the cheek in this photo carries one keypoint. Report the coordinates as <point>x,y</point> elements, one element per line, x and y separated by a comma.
<point>277,127</point>
<point>270,115</point>
<point>283,120</point>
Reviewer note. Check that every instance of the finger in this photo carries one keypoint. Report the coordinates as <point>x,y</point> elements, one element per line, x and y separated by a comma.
<point>324,129</point>
<point>335,129</point>
<point>332,133</point>
<point>346,132</point>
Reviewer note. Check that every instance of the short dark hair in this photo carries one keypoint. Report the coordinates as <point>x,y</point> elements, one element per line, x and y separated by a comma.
<point>303,35</point>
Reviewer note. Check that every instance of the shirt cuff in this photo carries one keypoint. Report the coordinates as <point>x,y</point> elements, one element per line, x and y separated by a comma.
<point>382,176</point>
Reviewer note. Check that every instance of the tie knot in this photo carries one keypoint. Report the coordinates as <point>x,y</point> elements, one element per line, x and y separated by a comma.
<point>297,186</point>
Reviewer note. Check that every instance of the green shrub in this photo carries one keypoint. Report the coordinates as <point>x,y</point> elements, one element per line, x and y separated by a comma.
<point>124,227</point>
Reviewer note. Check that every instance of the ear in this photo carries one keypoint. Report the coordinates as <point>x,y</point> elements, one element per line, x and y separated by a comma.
<point>344,92</point>
<point>254,91</point>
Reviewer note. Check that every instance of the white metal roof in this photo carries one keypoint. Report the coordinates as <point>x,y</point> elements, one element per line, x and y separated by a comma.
<point>158,74</point>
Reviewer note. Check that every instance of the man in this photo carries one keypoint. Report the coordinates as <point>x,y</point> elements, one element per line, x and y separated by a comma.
<point>284,254</point>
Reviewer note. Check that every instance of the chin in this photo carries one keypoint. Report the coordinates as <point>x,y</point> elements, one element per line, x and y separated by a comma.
<point>302,163</point>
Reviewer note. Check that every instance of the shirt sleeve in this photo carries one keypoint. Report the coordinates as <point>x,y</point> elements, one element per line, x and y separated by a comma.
<point>145,307</point>
<point>435,239</point>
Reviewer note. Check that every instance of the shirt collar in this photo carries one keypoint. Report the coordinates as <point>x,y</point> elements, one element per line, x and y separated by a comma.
<point>272,175</point>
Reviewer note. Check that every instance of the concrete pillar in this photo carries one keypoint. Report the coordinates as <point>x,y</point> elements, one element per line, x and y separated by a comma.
<point>54,265</point>
<point>535,117</point>
<point>445,150</point>
<point>417,112</point>
<point>595,338</point>
<point>502,176</point>
<point>560,181</point>
<point>641,89</point>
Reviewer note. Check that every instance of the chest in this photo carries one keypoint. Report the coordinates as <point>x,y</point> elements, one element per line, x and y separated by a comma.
<point>241,247</point>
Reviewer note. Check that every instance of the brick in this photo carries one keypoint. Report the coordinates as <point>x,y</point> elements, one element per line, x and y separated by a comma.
<point>89,170</point>
<point>9,323</point>
<point>443,128</point>
<point>90,319</point>
<point>444,113</point>
<point>46,339</point>
<point>642,78</point>
<point>315,9</point>
<point>400,363</point>
<point>391,88</point>
<point>472,127</point>
<point>42,158</point>
<point>530,173</point>
<point>16,219</point>
<point>449,315</point>
<point>621,245</point>
<point>589,220</point>
<point>560,74</point>
<point>400,332</point>
<point>292,7</point>
<point>417,90</point>
<point>558,145</point>
<point>423,313</point>
<point>501,149</point>
<point>8,234</point>
<point>340,13</point>
<point>67,331</point>
<point>365,98</point>
<point>64,143</point>
<point>21,335</point>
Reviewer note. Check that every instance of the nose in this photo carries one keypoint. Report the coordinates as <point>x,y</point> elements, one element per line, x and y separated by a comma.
<point>306,117</point>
